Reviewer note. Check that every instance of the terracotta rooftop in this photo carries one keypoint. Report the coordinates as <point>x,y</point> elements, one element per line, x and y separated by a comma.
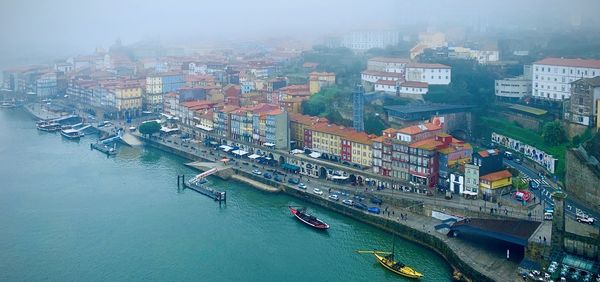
<point>496,175</point>
<point>569,63</point>
<point>200,104</point>
<point>306,119</point>
<point>347,133</point>
<point>386,82</point>
<point>416,129</point>
<point>415,84</point>
<point>487,153</point>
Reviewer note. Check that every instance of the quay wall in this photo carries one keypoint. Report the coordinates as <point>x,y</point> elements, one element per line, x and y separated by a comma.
<point>409,233</point>
<point>412,234</point>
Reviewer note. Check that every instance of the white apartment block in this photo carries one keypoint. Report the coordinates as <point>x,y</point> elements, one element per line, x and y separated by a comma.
<point>374,76</point>
<point>365,40</point>
<point>433,74</point>
<point>552,76</point>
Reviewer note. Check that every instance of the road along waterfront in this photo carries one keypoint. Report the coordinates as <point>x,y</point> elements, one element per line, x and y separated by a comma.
<point>71,213</point>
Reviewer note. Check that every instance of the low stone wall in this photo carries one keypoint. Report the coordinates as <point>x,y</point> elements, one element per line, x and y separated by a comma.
<point>395,227</point>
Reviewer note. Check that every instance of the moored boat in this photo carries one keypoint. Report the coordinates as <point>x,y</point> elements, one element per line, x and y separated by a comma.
<point>70,134</point>
<point>48,126</point>
<point>308,219</point>
<point>387,260</point>
<point>8,105</point>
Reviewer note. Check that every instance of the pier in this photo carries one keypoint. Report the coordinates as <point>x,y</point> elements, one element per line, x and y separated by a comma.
<point>197,184</point>
<point>102,147</point>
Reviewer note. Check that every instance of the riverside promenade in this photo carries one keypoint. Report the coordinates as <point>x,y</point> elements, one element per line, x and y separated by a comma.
<point>477,263</point>
<point>39,111</point>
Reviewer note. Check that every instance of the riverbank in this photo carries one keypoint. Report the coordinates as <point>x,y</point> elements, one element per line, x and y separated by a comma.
<point>467,258</point>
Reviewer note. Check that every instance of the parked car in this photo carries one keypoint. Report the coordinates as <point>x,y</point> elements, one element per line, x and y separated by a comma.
<point>278,178</point>
<point>358,198</point>
<point>318,191</point>
<point>302,186</point>
<point>257,172</point>
<point>360,206</point>
<point>334,197</point>
<point>519,161</point>
<point>348,202</point>
<point>376,201</point>
<point>374,210</point>
<point>294,180</point>
<point>585,219</point>
<point>267,175</point>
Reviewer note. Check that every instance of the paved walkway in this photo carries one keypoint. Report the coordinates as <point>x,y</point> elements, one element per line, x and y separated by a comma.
<point>41,112</point>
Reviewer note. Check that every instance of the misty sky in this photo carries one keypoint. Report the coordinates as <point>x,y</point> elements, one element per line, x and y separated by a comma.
<point>38,28</point>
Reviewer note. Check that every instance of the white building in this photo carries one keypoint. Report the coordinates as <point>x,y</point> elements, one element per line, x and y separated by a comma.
<point>434,74</point>
<point>389,86</point>
<point>410,88</point>
<point>552,76</point>
<point>46,85</point>
<point>374,76</point>
<point>365,40</point>
<point>513,88</point>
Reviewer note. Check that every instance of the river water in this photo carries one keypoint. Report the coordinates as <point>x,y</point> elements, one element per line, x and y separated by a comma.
<point>68,213</point>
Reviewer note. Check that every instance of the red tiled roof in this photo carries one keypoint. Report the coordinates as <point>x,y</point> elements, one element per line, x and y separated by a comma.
<point>416,84</point>
<point>347,133</point>
<point>198,103</point>
<point>386,82</point>
<point>306,119</point>
<point>486,153</point>
<point>569,63</point>
<point>427,66</point>
<point>496,175</point>
<point>415,129</point>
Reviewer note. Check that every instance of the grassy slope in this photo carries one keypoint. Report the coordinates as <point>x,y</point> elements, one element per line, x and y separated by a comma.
<point>532,138</point>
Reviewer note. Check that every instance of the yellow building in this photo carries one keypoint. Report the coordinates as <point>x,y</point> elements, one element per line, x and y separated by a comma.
<point>343,143</point>
<point>492,184</point>
<point>298,123</point>
<point>128,97</point>
<point>317,80</point>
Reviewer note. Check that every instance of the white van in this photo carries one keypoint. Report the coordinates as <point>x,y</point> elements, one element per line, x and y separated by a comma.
<point>548,216</point>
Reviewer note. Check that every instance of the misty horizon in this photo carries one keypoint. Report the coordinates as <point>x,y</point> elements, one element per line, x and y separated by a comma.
<point>63,28</point>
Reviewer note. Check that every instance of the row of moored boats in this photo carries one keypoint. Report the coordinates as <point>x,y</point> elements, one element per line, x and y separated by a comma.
<point>66,131</point>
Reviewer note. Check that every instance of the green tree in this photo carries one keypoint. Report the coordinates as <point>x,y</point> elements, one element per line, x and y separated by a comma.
<point>374,124</point>
<point>149,128</point>
<point>554,133</point>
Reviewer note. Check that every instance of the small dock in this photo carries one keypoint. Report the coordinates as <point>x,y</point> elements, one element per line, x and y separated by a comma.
<point>198,184</point>
<point>104,148</point>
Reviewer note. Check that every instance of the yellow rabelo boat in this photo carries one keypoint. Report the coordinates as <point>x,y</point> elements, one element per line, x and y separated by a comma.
<point>387,260</point>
